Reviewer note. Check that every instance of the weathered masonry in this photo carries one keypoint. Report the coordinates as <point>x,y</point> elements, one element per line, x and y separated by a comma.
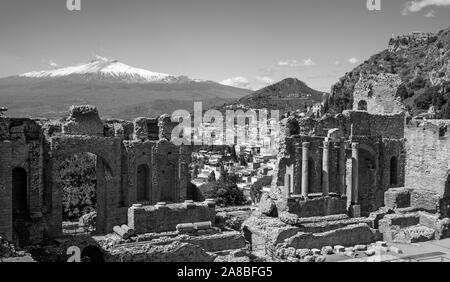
<point>427,166</point>
<point>135,163</point>
<point>339,164</point>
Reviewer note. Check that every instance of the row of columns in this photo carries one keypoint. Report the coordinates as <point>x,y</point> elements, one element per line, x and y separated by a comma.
<point>305,149</point>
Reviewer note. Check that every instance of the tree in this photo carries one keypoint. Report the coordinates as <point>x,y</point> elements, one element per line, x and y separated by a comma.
<point>212,177</point>
<point>195,172</point>
<point>78,182</point>
<point>224,194</point>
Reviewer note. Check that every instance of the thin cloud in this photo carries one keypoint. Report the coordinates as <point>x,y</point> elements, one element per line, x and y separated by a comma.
<point>294,63</point>
<point>419,5</point>
<point>53,64</point>
<point>238,81</point>
<point>353,60</point>
<point>265,80</point>
<point>430,14</point>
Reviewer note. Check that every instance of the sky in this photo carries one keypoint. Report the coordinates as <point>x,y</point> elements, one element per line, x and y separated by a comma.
<point>245,43</point>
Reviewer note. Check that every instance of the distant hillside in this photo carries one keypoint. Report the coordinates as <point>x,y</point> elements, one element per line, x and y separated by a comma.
<point>423,62</point>
<point>287,95</point>
<point>118,91</point>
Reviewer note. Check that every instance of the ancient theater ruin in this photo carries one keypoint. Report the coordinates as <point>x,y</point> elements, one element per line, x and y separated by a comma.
<point>342,181</point>
<point>142,179</point>
<point>361,176</point>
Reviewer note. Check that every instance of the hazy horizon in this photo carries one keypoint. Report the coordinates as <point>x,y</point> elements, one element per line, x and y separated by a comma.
<point>246,43</point>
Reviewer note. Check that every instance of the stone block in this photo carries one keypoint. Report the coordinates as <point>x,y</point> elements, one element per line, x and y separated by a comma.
<point>185,227</point>
<point>425,200</point>
<point>355,211</point>
<point>266,205</point>
<point>316,251</point>
<point>395,250</point>
<point>370,252</point>
<point>397,198</point>
<point>381,244</point>
<point>327,250</point>
<point>339,249</point>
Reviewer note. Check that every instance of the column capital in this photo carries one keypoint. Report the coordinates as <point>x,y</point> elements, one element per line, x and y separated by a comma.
<point>355,145</point>
<point>306,144</point>
<point>326,143</point>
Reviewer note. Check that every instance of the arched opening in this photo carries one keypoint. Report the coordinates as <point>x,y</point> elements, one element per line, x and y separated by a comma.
<point>82,179</point>
<point>20,211</point>
<point>362,105</point>
<point>20,190</point>
<point>367,182</point>
<point>92,254</point>
<point>444,203</point>
<point>168,183</point>
<point>143,181</point>
<point>393,171</point>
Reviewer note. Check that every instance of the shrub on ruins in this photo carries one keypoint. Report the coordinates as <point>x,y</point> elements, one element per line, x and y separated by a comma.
<point>78,182</point>
<point>256,189</point>
<point>212,177</point>
<point>225,194</point>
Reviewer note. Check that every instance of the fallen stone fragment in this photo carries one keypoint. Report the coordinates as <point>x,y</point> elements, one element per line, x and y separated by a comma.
<point>361,247</point>
<point>328,250</point>
<point>122,233</point>
<point>339,249</point>
<point>320,259</point>
<point>395,250</point>
<point>316,251</point>
<point>381,243</point>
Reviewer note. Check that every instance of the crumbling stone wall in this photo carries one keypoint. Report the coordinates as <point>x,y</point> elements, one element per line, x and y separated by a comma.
<point>381,143</point>
<point>377,94</point>
<point>165,217</point>
<point>39,146</point>
<point>428,153</point>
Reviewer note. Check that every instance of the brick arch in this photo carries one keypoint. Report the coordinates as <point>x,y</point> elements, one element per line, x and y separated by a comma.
<point>362,105</point>
<point>108,170</point>
<point>367,179</point>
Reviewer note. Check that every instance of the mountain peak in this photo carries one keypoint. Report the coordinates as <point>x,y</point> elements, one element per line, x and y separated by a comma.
<point>105,69</point>
<point>287,95</point>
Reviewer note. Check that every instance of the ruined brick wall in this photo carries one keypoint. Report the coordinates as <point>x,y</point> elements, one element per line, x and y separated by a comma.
<point>356,123</point>
<point>38,147</point>
<point>386,126</point>
<point>5,188</point>
<point>428,154</point>
<point>22,147</point>
<point>376,94</point>
<point>83,120</point>
<point>162,218</point>
<point>381,138</point>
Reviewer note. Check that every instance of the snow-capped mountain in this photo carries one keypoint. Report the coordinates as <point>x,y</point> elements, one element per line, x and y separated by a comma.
<point>107,69</point>
<point>118,90</point>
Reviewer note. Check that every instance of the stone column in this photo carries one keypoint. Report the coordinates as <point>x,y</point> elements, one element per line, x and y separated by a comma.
<point>355,209</point>
<point>326,168</point>
<point>297,169</point>
<point>305,169</point>
<point>342,161</point>
<point>287,184</point>
<point>355,172</point>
